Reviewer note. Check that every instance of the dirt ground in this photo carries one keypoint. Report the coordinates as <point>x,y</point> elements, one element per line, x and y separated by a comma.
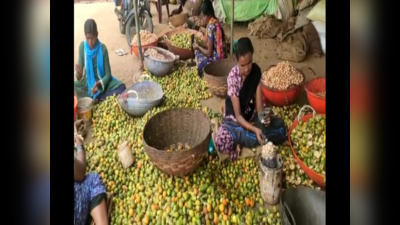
<point>125,67</point>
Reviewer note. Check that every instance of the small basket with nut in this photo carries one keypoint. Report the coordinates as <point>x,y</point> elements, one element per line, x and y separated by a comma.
<point>282,83</point>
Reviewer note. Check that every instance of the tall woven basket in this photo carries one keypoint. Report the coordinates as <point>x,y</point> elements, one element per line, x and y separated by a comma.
<point>194,5</point>
<point>170,127</point>
<point>271,183</point>
<point>215,75</point>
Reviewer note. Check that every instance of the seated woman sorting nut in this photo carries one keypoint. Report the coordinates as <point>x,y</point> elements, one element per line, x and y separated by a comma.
<point>93,72</point>
<point>214,38</point>
<point>89,191</point>
<point>243,101</point>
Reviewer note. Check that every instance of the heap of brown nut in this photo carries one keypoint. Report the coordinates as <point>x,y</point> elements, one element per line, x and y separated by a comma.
<point>178,147</point>
<point>145,38</point>
<point>282,76</point>
<point>155,54</point>
<point>321,94</point>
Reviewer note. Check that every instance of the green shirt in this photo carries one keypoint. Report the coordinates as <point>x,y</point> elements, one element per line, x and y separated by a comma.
<point>107,83</point>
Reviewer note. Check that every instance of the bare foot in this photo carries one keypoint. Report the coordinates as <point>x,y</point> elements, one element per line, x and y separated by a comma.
<point>238,150</point>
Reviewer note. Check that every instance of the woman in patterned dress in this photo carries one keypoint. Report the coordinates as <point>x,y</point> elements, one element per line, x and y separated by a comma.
<point>214,38</point>
<point>241,126</point>
<point>89,191</point>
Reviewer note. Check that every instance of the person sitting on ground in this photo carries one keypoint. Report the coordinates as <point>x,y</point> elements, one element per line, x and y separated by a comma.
<point>214,39</point>
<point>93,72</point>
<point>242,105</point>
<point>89,191</point>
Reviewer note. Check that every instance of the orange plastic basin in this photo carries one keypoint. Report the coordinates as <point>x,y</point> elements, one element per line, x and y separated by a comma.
<point>135,49</point>
<point>316,177</point>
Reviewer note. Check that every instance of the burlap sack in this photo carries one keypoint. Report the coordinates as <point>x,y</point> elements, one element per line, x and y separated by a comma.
<point>301,18</point>
<point>313,40</point>
<point>306,3</point>
<point>286,9</point>
<point>294,48</point>
<point>266,27</point>
<point>125,155</point>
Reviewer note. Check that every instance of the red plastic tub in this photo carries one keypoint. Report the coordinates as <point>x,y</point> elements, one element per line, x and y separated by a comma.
<point>312,87</point>
<point>317,178</point>
<point>135,49</point>
<point>283,97</point>
<point>75,107</point>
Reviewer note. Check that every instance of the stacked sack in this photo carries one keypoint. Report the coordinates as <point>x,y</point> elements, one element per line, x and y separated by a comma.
<point>317,15</point>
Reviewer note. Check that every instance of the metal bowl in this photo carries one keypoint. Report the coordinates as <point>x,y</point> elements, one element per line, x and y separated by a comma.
<point>159,67</point>
<point>141,97</point>
<point>303,206</point>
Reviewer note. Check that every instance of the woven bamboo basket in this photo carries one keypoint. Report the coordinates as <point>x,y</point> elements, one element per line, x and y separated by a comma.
<point>178,20</point>
<point>271,183</point>
<point>215,75</point>
<point>170,127</point>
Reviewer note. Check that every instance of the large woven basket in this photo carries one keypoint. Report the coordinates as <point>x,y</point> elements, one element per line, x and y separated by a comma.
<point>178,20</point>
<point>215,75</point>
<point>170,127</point>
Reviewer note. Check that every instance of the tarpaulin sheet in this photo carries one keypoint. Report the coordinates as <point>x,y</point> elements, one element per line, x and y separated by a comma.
<point>246,10</point>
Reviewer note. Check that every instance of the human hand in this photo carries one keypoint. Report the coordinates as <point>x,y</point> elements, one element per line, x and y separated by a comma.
<point>265,117</point>
<point>78,122</point>
<point>79,71</point>
<point>195,46</point>
<point>203,30</point>
<point>95,89</point>
<point>259,135</point>
<point>78,140</point>
<point>266,121</point>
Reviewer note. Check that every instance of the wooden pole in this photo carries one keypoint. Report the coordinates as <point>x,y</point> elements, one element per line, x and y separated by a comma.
<point>135,6</point>
<point>232,19</point>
